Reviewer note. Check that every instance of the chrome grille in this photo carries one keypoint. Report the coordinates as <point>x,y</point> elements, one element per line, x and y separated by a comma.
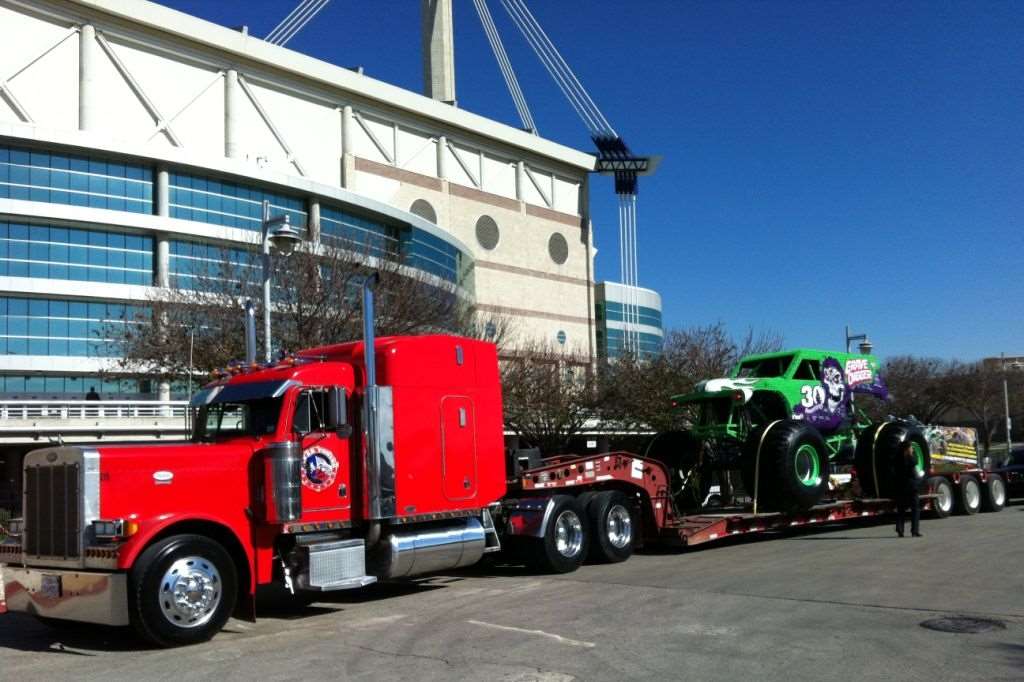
<point>52,504</point>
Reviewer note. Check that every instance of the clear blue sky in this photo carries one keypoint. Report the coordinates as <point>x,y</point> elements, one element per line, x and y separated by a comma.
<point>824,162</point>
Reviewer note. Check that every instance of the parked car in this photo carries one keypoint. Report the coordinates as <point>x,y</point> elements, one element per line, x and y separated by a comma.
<point>1012,472</point>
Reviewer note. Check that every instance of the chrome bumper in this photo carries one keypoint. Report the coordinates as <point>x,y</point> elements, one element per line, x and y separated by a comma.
<point>100,598</point>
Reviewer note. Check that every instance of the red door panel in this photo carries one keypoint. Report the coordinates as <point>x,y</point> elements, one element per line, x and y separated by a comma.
<point>458,448</point>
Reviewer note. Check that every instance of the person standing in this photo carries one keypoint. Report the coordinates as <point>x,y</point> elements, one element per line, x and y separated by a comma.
<point>92,394</point>
<point>907,477</point>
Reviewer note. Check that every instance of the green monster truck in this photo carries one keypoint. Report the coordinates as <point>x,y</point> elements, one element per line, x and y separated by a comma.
<point>784,420</point>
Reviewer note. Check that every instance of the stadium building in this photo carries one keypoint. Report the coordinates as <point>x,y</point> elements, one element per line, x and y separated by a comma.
<point>138,142</point>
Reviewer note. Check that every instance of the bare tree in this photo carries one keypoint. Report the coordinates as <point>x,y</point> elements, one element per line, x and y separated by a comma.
<point>316,301</point>
<point>977,389</point>
<point>918,388</point>
<point>549,395</point>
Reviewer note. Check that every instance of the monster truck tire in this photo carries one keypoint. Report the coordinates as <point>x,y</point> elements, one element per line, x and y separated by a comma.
<point>793,469</point>
<point>993,494</point>
<point>679,452</point>
<point>944,501</point>
<point>879,448</point>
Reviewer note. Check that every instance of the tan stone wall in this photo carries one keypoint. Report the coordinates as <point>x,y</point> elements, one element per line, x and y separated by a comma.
<point>518,278</point>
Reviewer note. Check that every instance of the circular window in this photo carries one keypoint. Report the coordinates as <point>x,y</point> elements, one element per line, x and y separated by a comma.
<point>487,232</point>
<point>558,248</point>
<point>423,209</point>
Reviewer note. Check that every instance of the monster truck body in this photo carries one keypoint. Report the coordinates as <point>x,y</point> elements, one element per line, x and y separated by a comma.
<point>785,419</point>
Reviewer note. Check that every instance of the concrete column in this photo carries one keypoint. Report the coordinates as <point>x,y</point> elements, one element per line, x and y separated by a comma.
<point>163,261</point>
<point>442,147</point>
<point>314,221</point>
<point>347,151</point>
<point>438,50</point>
<point>163,191</point>
<point>520,180</point>
<point>164,391</point>
<point>232,112</point>
<point>88,96</point>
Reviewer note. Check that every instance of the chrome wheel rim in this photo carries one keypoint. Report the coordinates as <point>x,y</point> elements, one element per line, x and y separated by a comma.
<point>190,592</point>
<point>620,526</point>
<point>945,497</point>
<point>568,534</point>
<point>972,494</point>
<point>998,491</point>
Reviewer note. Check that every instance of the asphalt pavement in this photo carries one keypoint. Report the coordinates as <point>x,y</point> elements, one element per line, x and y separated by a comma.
<point>844,602</point>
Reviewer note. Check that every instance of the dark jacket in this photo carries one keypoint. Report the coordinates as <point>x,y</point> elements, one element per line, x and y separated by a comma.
<point>905,474</point>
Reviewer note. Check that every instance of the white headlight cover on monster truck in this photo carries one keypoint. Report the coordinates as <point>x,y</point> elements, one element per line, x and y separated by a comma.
<point>728,384</point>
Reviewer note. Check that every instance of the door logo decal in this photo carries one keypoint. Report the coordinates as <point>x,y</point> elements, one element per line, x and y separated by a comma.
<point>319,468</point>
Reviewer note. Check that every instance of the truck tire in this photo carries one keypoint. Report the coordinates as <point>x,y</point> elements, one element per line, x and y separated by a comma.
<point>566,538</point>
<point>993,494</point>
<point>878,450</point>
<point>969,498</point>
<point>943,502</point>
<point>181,590</point>
<point>793,470</point>
<point>612,526</point>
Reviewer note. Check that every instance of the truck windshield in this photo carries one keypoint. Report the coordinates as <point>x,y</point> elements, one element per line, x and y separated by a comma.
<point>765,367</point>
<point>243,418</point>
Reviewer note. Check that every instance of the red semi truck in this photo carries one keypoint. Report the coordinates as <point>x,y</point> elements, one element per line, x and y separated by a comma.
<point>331,469</point>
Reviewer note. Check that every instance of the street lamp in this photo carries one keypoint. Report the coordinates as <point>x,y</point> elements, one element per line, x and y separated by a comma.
<point>864,346</point>
<point>276,232</point>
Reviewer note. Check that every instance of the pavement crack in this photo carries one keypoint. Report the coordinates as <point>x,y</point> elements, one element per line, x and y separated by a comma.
<point>370,649</point>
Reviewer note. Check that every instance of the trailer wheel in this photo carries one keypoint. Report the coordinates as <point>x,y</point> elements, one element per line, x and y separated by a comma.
<point>182,590</point>
<point>613,527</point>
<point>969,499</point>
<point>566,538</point>
<point>943,503</point>
<point>993,496</point>
<point>793,468</point>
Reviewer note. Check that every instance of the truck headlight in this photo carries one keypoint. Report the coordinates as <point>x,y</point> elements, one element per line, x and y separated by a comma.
<point>15,527</point>
<point>108,530</point>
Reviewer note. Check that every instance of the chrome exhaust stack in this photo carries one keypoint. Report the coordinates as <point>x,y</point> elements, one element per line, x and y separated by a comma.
<point>378,421</point>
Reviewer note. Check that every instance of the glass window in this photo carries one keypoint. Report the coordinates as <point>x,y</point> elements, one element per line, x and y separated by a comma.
<point>84,181</point>
<point>222,202</point>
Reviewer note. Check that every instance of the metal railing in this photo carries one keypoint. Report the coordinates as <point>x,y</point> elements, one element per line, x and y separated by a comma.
<point>33,419</point>
<point>38,410</point>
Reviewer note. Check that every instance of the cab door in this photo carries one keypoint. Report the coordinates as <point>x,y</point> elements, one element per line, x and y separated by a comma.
<point>326,464</point>
<point>458,448</point>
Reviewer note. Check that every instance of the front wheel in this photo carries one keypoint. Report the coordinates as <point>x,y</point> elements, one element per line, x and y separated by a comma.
<point>785,466</point>
<point>564,545</point>
<point>182,590</point>
<point>613,526</point>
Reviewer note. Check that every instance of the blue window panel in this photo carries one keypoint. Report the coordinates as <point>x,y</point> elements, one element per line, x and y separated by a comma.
<point>17,346</point>
<point>38,347</point>
<point>38,270</point>
<point>18,269</point>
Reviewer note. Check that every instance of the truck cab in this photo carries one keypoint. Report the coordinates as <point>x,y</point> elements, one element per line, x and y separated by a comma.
<point>329,469</point>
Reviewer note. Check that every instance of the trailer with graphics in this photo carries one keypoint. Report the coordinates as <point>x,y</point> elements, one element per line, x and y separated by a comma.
<point>348,464</point>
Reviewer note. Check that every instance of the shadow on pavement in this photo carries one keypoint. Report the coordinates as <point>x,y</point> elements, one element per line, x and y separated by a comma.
<point>25,633</point>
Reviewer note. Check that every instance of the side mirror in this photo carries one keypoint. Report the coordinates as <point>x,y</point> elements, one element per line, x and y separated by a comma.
<point>337,411</point>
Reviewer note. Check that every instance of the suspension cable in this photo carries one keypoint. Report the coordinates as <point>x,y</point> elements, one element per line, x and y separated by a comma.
<point>511,82</point>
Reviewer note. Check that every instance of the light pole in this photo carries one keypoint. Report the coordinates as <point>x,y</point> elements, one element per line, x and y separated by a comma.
<point>1006,406</point>
<point>279,233</point>
<point>865,345</point>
